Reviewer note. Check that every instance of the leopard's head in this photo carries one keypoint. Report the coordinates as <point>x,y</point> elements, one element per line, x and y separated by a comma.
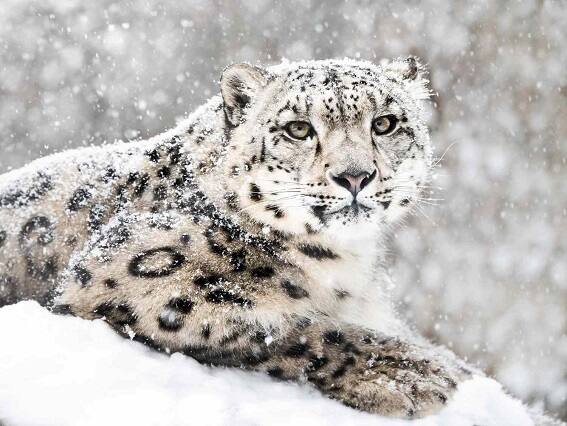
<point>324,146</point>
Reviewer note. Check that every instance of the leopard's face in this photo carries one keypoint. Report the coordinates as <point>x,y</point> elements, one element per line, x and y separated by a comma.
<point>325,145</point>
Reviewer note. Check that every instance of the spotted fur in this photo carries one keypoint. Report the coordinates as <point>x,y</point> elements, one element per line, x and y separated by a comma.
<point>230,241</point>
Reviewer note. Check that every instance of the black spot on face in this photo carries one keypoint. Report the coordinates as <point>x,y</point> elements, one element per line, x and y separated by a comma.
<point>341,294</point>
<point>385,204</point>
<point>278,213</point>
<point>185,239</point>
<point>316,251</point>
<point>231,199</point>
<point>404,202</point>
<point>309,229</point>
<point>294,291</point>
<point>157,262</point>
<point>255,193</point>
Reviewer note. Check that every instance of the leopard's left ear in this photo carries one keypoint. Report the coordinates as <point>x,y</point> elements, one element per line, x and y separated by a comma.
<point>240,83</point>
<point>412,73</point>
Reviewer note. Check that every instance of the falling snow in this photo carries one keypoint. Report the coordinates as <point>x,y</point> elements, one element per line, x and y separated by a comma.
<point>482,269</point>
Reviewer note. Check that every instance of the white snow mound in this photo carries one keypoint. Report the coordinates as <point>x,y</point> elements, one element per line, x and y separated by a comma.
<point>58,370</point>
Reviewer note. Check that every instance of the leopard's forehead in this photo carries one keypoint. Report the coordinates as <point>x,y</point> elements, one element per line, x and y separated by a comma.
<point>342,69</point>
<point>360,84</point>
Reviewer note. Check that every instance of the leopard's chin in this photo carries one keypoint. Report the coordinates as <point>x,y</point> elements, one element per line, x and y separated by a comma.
<point>354,209</point>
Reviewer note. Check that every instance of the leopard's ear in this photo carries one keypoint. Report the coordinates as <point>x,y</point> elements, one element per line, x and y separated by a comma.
<point>408,68</point>
<point>411,73</point>
<point>240,83</point>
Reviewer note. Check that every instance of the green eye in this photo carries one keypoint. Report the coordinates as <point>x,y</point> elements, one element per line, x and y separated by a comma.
<point>384,124</point>
<point>299,130</point>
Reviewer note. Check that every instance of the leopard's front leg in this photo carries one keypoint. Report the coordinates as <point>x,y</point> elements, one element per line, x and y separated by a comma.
<point>364,370</point>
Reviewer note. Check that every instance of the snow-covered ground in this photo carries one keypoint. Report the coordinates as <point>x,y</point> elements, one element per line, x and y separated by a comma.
<point>57,370</point>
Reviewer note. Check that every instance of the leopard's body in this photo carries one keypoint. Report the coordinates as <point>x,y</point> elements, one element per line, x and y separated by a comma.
<point>230,241</point>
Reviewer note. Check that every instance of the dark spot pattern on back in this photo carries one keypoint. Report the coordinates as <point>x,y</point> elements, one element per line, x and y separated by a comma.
<point>96,217</point>
<point>36,234</point>
<point>207,281</point>
<point>181,304</point>
<point>40,184</point>
<point>297,350</point>
<point>169,320</point>
<point>79,199</point>
<point>119,314</point>
<point>221,295</point>
<point>238,260</point>
<point>62,309</point>
<point>82,275</point>
<point>262,272</point>
<point>160,192</point>
<point>110,283</point>
<point>206,331</point>
<point>334,337</point>
<point>143,264</point>
<point>3,236</point>
<point>8,292</point>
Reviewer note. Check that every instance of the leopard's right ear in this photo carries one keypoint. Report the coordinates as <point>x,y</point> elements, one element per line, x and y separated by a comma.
<point>240,83</point>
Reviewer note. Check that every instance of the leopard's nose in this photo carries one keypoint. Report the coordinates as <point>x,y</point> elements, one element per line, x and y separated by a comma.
<point>354,183</point>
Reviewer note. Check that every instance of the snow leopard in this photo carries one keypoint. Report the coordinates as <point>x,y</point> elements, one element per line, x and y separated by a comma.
<point>252,235</point>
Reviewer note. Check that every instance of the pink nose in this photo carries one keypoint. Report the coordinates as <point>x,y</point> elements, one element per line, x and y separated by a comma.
<point>354,183</point>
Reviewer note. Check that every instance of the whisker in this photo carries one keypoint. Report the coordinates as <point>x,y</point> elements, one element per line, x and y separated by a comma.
<point>282,181</point>
<point>436,162</point>
<point>261,203</point>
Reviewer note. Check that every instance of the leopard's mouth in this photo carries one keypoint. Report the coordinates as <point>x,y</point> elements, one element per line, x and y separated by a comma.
<point>355,208</point>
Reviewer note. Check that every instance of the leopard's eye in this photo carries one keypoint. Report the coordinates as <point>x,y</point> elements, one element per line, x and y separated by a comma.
<point>384,124</point>
<point>299,130</point>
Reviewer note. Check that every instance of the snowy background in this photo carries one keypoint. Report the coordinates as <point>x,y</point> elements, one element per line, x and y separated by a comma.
<point>485,271</point>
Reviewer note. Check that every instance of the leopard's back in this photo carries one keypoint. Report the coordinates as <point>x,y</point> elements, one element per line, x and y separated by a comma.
<point>50,208</point>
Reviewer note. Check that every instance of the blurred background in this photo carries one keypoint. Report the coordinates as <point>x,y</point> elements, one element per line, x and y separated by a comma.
<point>484,271</point>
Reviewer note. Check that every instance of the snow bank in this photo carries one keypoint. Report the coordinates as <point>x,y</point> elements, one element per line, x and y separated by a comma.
<point>57,370</point>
